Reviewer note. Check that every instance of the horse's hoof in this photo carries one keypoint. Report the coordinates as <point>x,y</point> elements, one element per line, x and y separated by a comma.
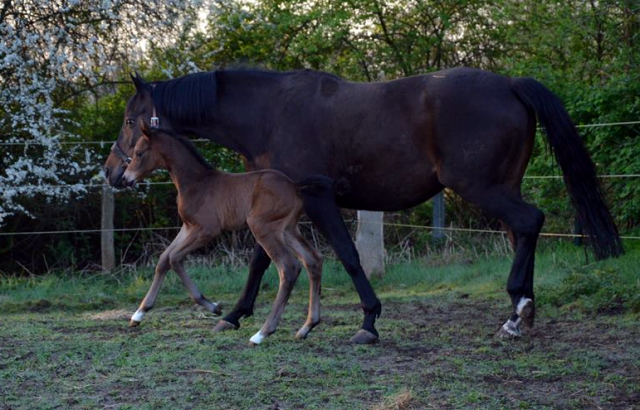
<point>134,323</point>
<point>509,331</point>
<point>364,337</point>
<point>223,325</point>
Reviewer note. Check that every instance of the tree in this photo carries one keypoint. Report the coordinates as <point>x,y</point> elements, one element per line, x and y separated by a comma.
<point>51,54</point>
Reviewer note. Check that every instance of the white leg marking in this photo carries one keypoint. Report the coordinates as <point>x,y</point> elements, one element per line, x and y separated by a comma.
<point>521,305</point>
<point>137,317</point>
<point>257,338</point>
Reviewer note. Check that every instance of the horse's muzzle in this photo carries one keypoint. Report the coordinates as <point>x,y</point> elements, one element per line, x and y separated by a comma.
<point>114,176</point>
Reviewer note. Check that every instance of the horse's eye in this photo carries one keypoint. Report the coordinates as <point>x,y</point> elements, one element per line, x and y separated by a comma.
<point>139,154</point>
<point>130,122</point>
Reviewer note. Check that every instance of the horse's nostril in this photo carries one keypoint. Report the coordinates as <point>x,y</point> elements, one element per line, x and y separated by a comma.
<point>106,172</point>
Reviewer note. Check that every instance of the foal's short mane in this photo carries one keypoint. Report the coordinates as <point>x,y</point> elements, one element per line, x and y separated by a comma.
<point>188,144</point>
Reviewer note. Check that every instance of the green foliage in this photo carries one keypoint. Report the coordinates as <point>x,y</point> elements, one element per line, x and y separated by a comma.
<point>595,290</point>
<point>586,52</point>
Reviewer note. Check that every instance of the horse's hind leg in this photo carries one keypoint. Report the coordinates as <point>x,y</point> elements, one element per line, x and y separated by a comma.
<point>260,261</point>
<point>288,270</point>
<point>525,222</point>
<point>312,261</point>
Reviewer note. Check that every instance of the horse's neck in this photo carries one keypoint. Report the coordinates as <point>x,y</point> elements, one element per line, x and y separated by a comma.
<point>241,113</point>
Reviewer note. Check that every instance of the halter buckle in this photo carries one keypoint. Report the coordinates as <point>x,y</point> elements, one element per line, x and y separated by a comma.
<point>155,122</point>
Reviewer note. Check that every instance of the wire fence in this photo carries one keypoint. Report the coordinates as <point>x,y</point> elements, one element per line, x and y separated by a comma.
<point>390,224</point>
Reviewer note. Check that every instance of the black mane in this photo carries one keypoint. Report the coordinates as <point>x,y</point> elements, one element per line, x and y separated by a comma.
<point>189,99</point>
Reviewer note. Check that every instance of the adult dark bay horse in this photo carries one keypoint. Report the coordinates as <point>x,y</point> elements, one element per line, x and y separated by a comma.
<point>383,146</point>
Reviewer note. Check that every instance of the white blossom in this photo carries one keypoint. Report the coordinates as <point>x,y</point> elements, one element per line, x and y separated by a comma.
<point>49,48</point>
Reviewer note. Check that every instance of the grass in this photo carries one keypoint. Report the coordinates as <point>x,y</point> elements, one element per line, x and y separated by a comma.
<point>65,344</point>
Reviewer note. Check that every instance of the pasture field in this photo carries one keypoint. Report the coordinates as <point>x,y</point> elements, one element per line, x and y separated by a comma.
<point>65,343</point>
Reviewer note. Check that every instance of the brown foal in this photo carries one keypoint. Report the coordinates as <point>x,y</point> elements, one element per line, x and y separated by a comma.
<point>210,201</point>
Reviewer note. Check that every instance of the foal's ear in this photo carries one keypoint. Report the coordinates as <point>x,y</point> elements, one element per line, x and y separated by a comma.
<point>144,127</point>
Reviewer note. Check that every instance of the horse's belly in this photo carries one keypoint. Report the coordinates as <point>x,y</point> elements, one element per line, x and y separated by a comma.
<point>391,194</point>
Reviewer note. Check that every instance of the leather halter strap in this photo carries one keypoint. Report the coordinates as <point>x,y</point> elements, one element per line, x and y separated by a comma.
<point>115,148</point>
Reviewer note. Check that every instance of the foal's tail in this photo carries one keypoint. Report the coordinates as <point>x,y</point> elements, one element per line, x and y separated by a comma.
<point>577,167</point>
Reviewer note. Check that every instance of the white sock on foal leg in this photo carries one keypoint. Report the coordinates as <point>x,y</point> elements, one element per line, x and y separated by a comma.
<point>257,338</point>
<point>137,317</point>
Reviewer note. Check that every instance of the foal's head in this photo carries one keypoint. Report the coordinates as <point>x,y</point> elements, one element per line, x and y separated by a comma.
<point>146,156</point>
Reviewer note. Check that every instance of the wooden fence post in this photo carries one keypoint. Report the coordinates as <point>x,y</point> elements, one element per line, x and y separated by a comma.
<point>438,216</point>
<point>108,250</point>
<point>370,242</point>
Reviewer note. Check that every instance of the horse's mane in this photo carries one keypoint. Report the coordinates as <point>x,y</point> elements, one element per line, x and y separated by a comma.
<point>189,99</point>
<point>188,144</point>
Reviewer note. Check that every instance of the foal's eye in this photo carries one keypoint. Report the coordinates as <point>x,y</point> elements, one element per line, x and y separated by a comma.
<point>129,122</point>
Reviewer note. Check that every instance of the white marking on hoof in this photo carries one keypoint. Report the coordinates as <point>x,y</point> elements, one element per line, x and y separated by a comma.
<point>257,338</point>
<point>137,317</point>
<point>513,328</point>
<point>522,304</point>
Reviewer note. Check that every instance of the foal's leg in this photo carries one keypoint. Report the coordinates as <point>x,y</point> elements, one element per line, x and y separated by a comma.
<point>288,270</point>
<point>160,273</point>
<point>321,208</point>
<point>312,261</point>
<point>525,222</point>
<point>195,238</point>
<point>244,307</point>
<point>184,238</point>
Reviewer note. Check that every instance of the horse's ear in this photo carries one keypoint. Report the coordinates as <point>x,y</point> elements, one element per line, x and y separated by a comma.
<point>139,82</point>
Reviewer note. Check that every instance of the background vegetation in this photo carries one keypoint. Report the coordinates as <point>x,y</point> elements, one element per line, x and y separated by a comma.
<point>585,51</point>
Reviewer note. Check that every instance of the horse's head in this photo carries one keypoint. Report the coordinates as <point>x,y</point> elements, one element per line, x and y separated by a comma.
<point>145,158</point>
<point>140,108</point>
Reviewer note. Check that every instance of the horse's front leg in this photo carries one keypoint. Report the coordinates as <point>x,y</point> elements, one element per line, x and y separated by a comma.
<point>321,208</point>
<point>244,307</point>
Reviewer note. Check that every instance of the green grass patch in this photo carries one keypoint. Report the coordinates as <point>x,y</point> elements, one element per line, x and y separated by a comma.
<point>61,346</point>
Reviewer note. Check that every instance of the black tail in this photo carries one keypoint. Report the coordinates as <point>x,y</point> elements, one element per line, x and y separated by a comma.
<point>577,167</point>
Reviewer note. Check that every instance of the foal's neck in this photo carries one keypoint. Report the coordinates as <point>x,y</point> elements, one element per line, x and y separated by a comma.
<point>184,167</point>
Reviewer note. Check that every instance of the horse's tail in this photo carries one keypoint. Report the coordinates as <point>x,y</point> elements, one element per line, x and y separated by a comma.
<point>576,165</point>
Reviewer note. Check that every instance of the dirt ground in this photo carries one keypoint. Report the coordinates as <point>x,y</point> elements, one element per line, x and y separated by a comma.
<point>434,353</point>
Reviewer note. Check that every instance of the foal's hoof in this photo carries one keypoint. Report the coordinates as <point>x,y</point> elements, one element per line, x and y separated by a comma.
<point>134,323</point>
<point>364,337</point>
<point>223,325</point>
<point>217,310</point>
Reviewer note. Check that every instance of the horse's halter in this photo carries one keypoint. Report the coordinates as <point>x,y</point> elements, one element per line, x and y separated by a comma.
<point>115,148</point>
